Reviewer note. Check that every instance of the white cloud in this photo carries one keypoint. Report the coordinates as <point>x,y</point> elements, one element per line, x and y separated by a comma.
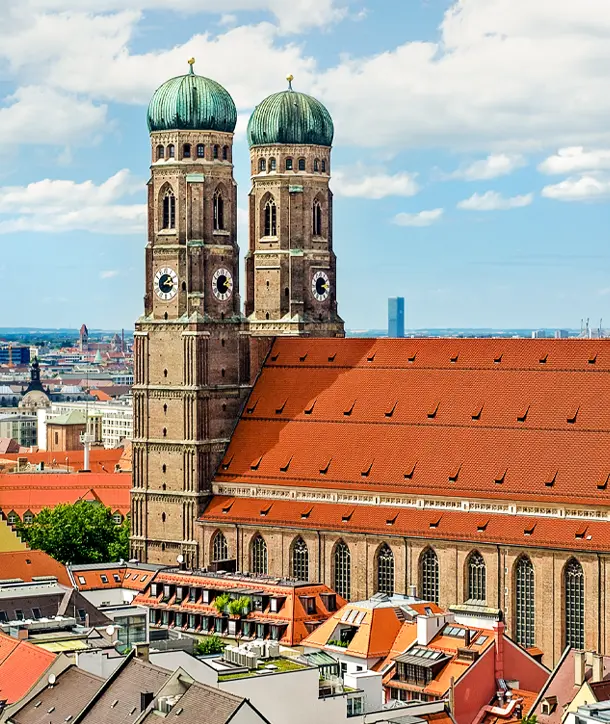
<point>587,187</point>
<point>110,274</point>
<point>575,159</point>
<point>58,205</point>
<point>493,201</point>
<point>422,218</point>
<point>359,181</point>
<point>495,165</point>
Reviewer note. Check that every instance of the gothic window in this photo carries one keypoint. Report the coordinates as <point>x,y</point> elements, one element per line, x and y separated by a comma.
<point>574,587</point>
<point>476,577</point>
<point>299,562</point>
<point>272,164</point>
<point>169,210</point>
<point>171,151</point>
<point>225,153</point>
<point>317,218</point>
<point>288,164</point>
<point>301,164</point>
<point>342,571</point>
<point>524,602</point>
<point>219,211</point>
<point>215,151</point>
<point>385,570</point>
<point>428,575</point>
<point>323,166</point>
<point>258,555</point>
<point>270,222</point>
<point>220,549</point>
<point>186,150</point>
<point>262,165</point>
<point>316,165</point>
<point>160,152</point>
<point>200,150</point>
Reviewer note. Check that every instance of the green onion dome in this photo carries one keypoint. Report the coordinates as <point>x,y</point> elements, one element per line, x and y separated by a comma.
<point>290,117</point>
<point>191,102</point>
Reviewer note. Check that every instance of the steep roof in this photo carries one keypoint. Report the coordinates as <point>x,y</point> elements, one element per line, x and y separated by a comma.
<point>28,564</point>
<point>494,418</point>
<point>21,666</point>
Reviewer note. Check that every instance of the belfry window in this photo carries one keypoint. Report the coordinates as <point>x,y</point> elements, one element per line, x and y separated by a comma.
<point>342,578</point>
<point>524,602</point>
<point>171,151</point>
<point>317,218</point>
<point>323,166</point>
<point>316,165</point>
<point>299,561</point>
<point>169,210</point>
<point>428,576</point>
<point>477,574</point>
<point>160,152</point>
<point>186,150</point>
<point>262,165</point>
<point>225,153</point>
<point>301,164</point>
<point>215,151</point>
<point>288,164</point>
<point>574,590</point>
<point>272,164</point>
<point>220,549</point>
<point>200,150</point>
<point>219,211</point>
<point>385,570</point>
<point>270,221</point>
<point>258,555</point>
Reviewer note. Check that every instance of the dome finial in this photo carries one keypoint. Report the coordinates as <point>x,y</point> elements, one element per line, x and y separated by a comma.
<point>192,63</point>
<point>290,78</point>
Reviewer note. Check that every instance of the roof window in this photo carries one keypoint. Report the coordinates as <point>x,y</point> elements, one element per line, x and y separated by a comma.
<point>275,356</point>
<point>476,413</point>
<point>602,483</point>
<point>286,465</point>
<point>410,471</point>
<point>435,523</point>
<point>324,469</point>
<point>390,412</point>
<point>581,532</point>
<point>227,508</point>
<point>350,409</point>
<point>250,409</point>
<point>543,359</point>
<point>226,463</point>
<point>454,358</point>
<point>280,409</point>
<point>331,357</point>
<point>433,410</point>
<point>454,474</point>
<point>81,580</point>
<point>367,470</point>
<point>309,410</point>
<point>498,359</point>
<point>104,578</point>
<point>500,476</point>
<point>303,357</point>
<point>256,464</point>
<point>391,521</point>
<point>482,527</point>
<point>371,357</point>
<point>592,359</point>
<point>412,357</point>
<point>265,511</point>
<point>306,513</point>
<point>346,517</point>
<point>522,414</point>
<point>530,531</point>
<point>550,479</point>
<point>116,577</point>
<point>571,418</point>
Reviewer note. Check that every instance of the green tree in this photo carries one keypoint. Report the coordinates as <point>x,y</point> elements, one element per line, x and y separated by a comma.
<point>82,532</point>
<point>532,719</point>
<point>210,645</point>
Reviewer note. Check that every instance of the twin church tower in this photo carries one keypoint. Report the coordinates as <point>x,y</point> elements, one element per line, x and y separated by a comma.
<point>195,352</point>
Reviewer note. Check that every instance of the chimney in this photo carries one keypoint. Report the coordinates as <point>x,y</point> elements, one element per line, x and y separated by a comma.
<point>579,668</point>
<point>142,650</point>
<point>598,668</point>
<point>467,635</point>
<point>145,699</point>
<point>413,590</point>
<point>498,628</point>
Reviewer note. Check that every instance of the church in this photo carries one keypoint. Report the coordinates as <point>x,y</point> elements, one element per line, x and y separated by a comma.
<point>473,471</point>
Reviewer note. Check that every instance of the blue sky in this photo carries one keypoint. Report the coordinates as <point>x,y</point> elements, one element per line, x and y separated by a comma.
<point>471,160</point>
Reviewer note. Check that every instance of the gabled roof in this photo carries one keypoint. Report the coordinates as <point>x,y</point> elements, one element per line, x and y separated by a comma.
<point>100,576</point>
<point>21,666</point>
<point>28,564</point>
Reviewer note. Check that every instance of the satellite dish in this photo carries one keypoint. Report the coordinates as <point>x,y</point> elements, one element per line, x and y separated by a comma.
<point>180,559</point>
<point>52,679</point>
<point>110,630</point>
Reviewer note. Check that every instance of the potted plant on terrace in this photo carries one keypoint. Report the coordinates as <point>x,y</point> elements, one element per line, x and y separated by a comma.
<point>221,603</point>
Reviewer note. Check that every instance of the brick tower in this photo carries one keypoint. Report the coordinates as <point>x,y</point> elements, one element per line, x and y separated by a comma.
<point>290,265</point>
<point>190,348</point>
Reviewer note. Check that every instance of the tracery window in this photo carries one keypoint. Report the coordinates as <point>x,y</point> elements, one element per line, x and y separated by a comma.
<point>342,570</point>
<point>160,152</point>
<point>200,150</point>
<point>272,164</point>
<point>317,218</point>
<point>428,575</point>
<point>288,164</point>
<point>385,570</point>
<point>574,587</point>
<point>171,151</point>
<point>258,555</point>
<point>299,563</point>
<point>169,210</point>
<point>219,211</point>
<point>524,602</point>
<point>316,165</point>
<point>215,151</point>
<point>477,577</point>
<point>262,165</point>
<point>301,164</point>
<point>220,549</point>
<point>270,223</point>
<point>323,166</point>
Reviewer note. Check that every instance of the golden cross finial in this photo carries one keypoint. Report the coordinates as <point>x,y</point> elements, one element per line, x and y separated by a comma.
<point>290,78</point>
<point>192,63</point>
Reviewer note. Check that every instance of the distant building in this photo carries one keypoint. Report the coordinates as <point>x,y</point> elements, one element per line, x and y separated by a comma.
<point>83,342</point>
<point>35,396</point>
<point>14,355</point>
<point>64,431</point>
<point>538,334</point>
<point>22,428</point>
<point>396,317</point>
<point>561,334</point>
<point>109,422</point>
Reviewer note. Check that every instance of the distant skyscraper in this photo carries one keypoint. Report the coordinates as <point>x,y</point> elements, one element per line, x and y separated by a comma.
<point>396,317</point>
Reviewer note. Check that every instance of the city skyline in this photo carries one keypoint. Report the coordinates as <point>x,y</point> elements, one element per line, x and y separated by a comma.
<point>479,217</point>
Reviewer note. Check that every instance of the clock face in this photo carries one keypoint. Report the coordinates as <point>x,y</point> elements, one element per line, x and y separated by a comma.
<point>222,284</point>
<point>320,286</point>
<point>166,283</point>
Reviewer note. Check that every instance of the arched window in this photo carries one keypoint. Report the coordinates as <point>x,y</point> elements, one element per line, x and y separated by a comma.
<point>299,561</point>
<point>316,164</point>
<point>524,602</point>
<point>477,575</point>
<point>288,164</point>
<point>220,549</point>
<point>171,151</point>
<point>200,150</point>
<point>270,221</point>
<point>186,150</point>
<point>343,570</point>
<point>258,555</point>
<point>215,151</point>
<point>262,165</point>
<point>385,570</point>
<point>160,152</point>
<point>225,153</point>
<point>323,166</point>
<point>317,218</point>
<point>169,210</point>
<point>219,211</point>
<point>574,586</point>
<point>272,164</point>
<point>428,575</point>
<point>301,164</point>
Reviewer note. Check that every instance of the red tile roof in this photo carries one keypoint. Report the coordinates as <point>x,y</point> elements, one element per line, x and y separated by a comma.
<point>29,564</point>
<point>21,666</point>
<point>99,457</point>
<point>133,578</point>
<point>501,418</point>
<point>412,522</point>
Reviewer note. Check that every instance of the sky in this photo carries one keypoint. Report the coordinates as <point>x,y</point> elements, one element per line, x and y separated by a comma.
<point>471,160</point>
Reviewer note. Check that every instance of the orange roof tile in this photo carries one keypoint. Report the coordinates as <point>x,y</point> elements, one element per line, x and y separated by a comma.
<point>31,563</point>
<point>106,457</point>
<point>21,666</point>
<point>117,576</point>
<point>519,419</point>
